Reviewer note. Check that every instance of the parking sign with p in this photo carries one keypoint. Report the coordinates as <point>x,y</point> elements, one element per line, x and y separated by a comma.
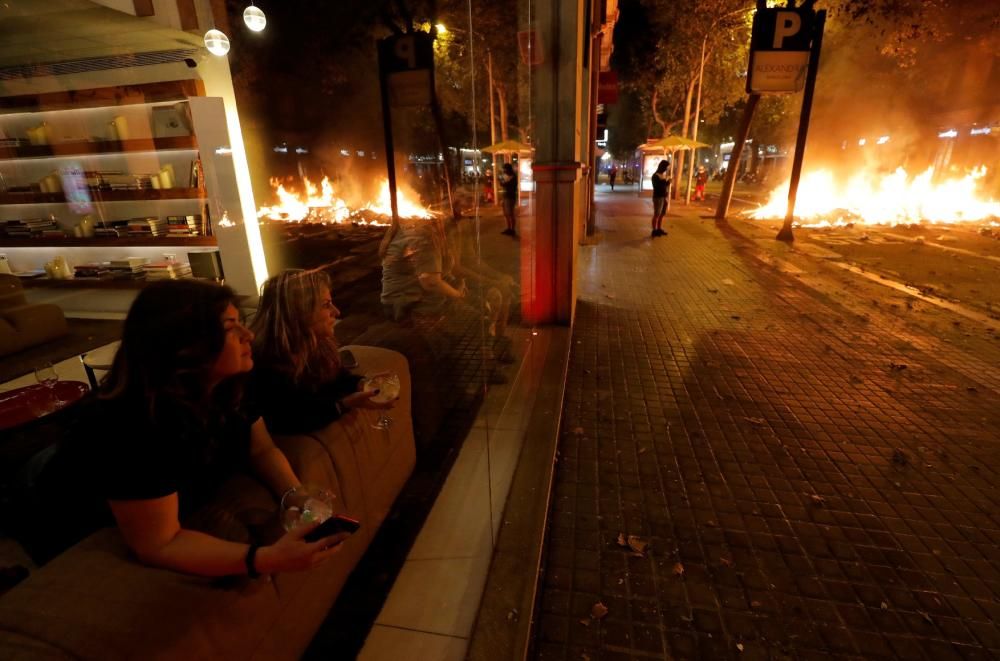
<point>779,50</point>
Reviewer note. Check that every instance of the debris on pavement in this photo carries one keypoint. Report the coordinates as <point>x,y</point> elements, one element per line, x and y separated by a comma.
<point>598,611</point>
<point>899,457</point>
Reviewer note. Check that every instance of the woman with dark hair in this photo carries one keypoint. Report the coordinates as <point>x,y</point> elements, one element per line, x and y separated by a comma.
<point>298,378</point>
<point>167,428</point>
<point>661,189</point>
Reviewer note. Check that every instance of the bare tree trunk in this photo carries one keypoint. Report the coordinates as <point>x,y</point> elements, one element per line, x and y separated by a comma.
<point>679,171</point>
<point>502,103</point>
<point>656,112</point>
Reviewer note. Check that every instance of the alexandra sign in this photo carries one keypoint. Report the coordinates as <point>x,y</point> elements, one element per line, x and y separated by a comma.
<point>779,50</point>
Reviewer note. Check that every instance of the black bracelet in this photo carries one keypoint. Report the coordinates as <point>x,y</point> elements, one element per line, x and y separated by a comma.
<point>249,560</point>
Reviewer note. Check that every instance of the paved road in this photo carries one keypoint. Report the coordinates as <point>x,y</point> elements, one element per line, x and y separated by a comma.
<point>815,474</point>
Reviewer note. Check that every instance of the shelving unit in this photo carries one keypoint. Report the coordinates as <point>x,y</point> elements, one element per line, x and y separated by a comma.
<point>82,283</point>
<point>144,195</point>
<point>110,242</point>
<point>94,148</point>
<point>78,125</point>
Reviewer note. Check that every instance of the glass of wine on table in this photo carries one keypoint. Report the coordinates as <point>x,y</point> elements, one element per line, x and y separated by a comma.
<point>387,388</point>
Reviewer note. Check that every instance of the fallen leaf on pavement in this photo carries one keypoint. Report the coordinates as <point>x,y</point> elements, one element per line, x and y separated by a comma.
<point>739,646</point>
<point>598,611</point>
<point>816,498</point>
<point>585,622</point>
<point>679,569</point>
<point>637,544</point>
<point>621,540</point>
<point>726,561</point>
<point>885,606</point>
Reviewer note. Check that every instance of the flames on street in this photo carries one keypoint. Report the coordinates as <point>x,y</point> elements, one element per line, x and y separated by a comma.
<point>896,198</point>
<point>320,204</point>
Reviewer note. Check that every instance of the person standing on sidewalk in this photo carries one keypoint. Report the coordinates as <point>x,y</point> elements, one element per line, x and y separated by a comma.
<point>508,183</point>
<point>700,180</point>
<point>661,188</point>
<point>612,175</point>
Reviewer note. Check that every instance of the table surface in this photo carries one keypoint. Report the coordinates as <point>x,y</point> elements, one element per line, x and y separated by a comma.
<point>23,405</point>
<point>101,358</point>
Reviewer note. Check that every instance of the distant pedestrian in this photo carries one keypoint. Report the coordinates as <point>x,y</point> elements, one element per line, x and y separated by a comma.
<point>699,183</point>
<point>612,175</point>
<point>508,184</point>
<point>661,188</point>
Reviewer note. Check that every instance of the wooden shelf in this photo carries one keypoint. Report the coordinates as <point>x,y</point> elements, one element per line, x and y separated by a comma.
<point>82,283</point>
<point>92,148</point>
<point>144,195</point>
<point>103,97</point>
<point>110,242</point>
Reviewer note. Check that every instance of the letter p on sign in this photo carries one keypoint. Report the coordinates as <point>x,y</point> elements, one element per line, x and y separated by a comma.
<point>788,24</point>
<point>406,51</point>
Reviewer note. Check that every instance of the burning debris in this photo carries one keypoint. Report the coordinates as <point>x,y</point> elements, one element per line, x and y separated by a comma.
<point>322,205</point>
<point>870,198</point>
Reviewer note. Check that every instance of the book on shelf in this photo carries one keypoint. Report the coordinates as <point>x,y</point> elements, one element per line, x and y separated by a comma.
<point>167,270</point>
<point>33,228</point>
<point>95,270</point>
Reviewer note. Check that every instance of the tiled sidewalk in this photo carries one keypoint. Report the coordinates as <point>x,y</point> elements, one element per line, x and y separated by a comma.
<point>812,483</point>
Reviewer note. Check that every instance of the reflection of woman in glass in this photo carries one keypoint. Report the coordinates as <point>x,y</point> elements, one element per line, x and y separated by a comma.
<point>298,380</point>
<point>168,428</point>
<point>508,182</point>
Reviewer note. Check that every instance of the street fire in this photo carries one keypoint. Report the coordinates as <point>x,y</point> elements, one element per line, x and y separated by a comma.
<point>322,205</point>
<point>884,199</point>
<point>407,207</point>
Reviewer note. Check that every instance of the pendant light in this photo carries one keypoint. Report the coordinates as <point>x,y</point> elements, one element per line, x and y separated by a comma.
<point>254,18</point>
<point>216,42</point>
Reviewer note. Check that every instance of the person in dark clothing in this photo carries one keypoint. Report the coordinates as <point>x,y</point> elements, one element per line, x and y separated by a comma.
<point>508,183</point>
<point>298,379</point>
<point>167,426</point>
<point>612,175</point>
<point>661,188</point>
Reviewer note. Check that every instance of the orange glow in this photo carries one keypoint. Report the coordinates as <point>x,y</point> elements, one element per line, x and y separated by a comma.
<point>321,205</point>
<point>896,198</point>
<point>317,204</point>
<point>406,206</point>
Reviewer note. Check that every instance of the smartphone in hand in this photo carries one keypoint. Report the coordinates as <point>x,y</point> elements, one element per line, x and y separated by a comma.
<point>332,526</point>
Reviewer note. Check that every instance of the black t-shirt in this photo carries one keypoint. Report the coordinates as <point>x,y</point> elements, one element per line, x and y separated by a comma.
<point>660,182</point>
<point>289,408</point>
<point>118,451</point>
<point>509,184</point>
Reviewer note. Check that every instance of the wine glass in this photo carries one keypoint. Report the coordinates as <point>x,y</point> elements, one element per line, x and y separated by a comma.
<point>47,376</point>
<point>306,504</point>
<point>387,386</point>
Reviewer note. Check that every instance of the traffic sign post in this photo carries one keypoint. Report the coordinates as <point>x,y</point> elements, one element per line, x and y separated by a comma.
<point>785,233</point>
<point>406,78</point>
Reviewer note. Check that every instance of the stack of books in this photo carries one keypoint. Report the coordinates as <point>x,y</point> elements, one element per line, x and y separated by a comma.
<point>111,228</point>
<point>140,227</point>
<point>183,225</point>
<point>33,228</point>
<point>167,270</point>
<point>130,268</point>
<point>94,270</point>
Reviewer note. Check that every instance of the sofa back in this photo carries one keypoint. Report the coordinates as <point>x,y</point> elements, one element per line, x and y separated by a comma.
<point>95,601</point>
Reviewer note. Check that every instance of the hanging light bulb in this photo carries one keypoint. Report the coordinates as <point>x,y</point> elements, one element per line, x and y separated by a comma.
<point>216,42</point>
<point>254,18</point>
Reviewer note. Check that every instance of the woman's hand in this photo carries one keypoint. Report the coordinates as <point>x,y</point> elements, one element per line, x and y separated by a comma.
<point>363,400</point>
<point>293,553</point>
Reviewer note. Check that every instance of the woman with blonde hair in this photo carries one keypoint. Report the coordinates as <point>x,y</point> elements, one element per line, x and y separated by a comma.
<point>298,379</point>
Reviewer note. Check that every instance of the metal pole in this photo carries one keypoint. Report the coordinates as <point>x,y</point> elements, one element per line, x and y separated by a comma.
<point>734,158</point>
<point>785,233</point>
<point>390,160</point>
<point>697,112</point>
<point>493,130</point>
